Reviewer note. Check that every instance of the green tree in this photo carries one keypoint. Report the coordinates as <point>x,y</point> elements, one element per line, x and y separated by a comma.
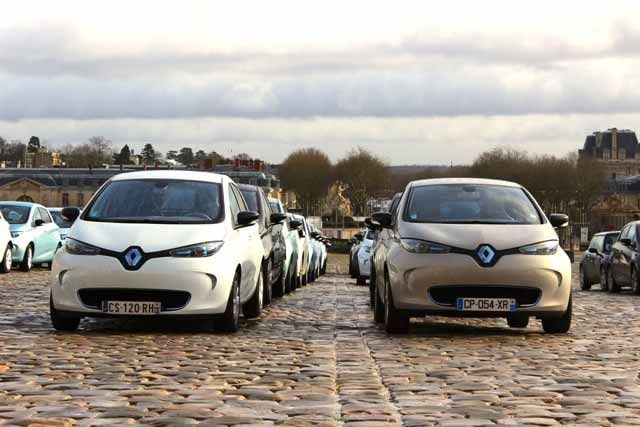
<point>94,153</point>
<point>148,154</point>
<point>34,144</point>
<point>306,172</point>
<point>201,155</point>
<point>186,156</point>
<point>172,155</point>
<point>124,157</point>
<point>365,176</point>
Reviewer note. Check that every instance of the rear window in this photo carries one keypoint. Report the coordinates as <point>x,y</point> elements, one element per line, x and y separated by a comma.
<point>15,214</point>
<point>470,204</point>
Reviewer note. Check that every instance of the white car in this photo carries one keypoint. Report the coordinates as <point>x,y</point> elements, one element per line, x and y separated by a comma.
<point>363,257</point>
<point>306,250</point>
<point>297,242</point>
<point>155,243</point>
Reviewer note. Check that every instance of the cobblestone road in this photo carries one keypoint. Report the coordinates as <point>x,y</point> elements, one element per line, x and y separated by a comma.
<point>316,358</point>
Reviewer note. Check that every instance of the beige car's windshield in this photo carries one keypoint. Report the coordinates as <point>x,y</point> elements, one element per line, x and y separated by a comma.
<point>471,204</point>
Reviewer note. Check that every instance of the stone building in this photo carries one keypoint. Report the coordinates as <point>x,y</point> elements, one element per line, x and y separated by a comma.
<point>616,149</point>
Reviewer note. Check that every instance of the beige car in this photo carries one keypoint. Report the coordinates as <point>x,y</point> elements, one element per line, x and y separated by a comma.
<point>468,247</point>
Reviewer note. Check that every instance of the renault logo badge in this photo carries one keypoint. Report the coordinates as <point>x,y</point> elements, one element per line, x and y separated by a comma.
<point>133,257</point>
<point>485,254</point>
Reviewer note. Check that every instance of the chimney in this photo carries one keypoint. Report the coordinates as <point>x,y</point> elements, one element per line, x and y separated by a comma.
<point>614,143</point>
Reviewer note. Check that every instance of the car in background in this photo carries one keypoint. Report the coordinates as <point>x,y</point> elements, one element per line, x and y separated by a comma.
<point>392,208</point>
<point>625,260</point>
<point>297,242</point>
<point>35,237</point>
<point>273,241</point>
<point>63,224</point>
<point>467,247</point>
<point>292,243</point>
<point>594,266</point>
<point>363,257</point>
<point>355,241</point>
<point>319,253</point>
<point>160,243</point>
<point>307,249</point>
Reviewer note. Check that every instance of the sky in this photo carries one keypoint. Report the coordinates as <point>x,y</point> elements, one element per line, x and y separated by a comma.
<point>421,82</point>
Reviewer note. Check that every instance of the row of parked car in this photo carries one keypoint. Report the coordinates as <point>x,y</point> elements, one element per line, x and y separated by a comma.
<point>467,248</point>
<point>180,243</point>
<point>613,260</point>
<point>30,234</point>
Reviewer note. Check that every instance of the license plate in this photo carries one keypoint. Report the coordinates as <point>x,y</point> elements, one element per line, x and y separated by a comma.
<point>131,307</point>
<point>486,304</point>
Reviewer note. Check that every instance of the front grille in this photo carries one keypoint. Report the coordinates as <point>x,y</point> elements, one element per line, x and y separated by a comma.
<point>447,295</point>
<point>169,300</point>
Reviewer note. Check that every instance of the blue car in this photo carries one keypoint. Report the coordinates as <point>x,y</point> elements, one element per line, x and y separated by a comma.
<point>34,234</point>
<point>62,223</point>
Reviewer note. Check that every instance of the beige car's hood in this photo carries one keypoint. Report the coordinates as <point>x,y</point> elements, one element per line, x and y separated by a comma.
<point>470,236</point>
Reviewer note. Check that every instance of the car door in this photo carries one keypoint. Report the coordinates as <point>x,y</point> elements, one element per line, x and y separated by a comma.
<point>597,259</point>
<point>50,235</point>
<point>247,238</point>
<point>616,254</point>
<point>590,260</point>
<point>275,235</point>
<point>622,256</point>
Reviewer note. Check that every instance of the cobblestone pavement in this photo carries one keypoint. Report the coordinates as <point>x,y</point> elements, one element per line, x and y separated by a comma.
<point>317,358</point>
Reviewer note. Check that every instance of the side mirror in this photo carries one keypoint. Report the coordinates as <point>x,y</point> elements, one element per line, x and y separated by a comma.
<point>246,218</point>
<point>38,222</point>
<point>382,218</point>
<point>315,234</point>
<point>593,250</point>
<point>559,220</point>
<point>294,224</point>
<point>301,233</point>
<point>371,224</point>
<point>626,242</point>
<point>277,217</point>
<point>353,240</point>
<point>70,214</point>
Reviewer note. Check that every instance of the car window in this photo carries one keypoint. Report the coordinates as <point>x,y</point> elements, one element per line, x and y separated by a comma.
<point>234,205</point>
<point>624,232</point>
<point>608,241</point>
<point>158,201</point>
<point>59,220</point>
<point>265,208</point>
<point>242,203</point>
<point>44,214</point>
<point>470,204</point>
<point>594,242</point>
<point>632,233</point>
<point>36,216</point>
<point>15,214</point>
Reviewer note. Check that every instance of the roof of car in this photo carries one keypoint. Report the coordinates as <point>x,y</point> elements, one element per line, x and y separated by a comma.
<point>171,174</point>
<point>247,187</point>
<point>604,233</point>
<point>25,204</point>
<point>477,181</point>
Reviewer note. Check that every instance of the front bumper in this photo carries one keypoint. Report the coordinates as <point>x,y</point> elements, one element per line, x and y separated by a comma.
<point>207,282</point>
<point>412,277</point>
<point>364,263</point>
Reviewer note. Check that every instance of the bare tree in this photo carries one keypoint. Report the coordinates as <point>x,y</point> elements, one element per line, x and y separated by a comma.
<point>307,173</point>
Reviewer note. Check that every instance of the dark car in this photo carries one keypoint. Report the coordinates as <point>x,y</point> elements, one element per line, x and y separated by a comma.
<point>270,224</point>
<point>625,260</point>
<point>596,260</point>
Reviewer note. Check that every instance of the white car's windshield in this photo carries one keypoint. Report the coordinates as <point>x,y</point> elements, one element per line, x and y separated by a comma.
<point>471,204</point>
<point>158,201</point>
<point>14,214</point>
<point>59,220</point>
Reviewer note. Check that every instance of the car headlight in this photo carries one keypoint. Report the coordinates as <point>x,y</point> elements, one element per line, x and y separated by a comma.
<point>77,247</point>
<point>15,234</point>
<point>423,247</point>
<point>543,248</point>
<point>196,251</point>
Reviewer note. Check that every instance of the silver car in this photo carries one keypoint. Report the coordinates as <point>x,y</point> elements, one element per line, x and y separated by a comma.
<point>471,248</point>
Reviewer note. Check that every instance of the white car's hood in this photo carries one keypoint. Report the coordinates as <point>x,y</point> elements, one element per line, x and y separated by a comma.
<point>470,236</point>
<point>150,237</point>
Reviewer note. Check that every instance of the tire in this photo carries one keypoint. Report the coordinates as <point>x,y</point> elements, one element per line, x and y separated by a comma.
<point>378,306</point>
<point>517,321</point>
<point>361,281</point>
<point>305,278</point>
<point>558,325</point>
<point>585,285</point>
<point>281,286</point>
<point>635,285</point>
<point>5,265</point>
<point>372,287</point>
<point>267,285</point>
<point>352,272</point>
<point>62,323</point>
<point>323,270</point>
<point>230,320</point>
<point>27,260</point>
<point>395,321</point>
<point>604,279</point>
<point>614,287</point>
<point>288,280</point>
<point>253,308</point>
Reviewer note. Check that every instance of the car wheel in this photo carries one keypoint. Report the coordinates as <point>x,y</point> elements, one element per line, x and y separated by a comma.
<point>395,321</point>
<point>230,320</point>
<point>604,279</point>
<point>323,270</point>
<point>288,280</point>
<point>372,288</point>
<point>280,287</point>
<point>267,286</point>
<point>361,281</point>
<point>305,278</point>
<point>378,306</point>
<point>27,260</point>
<point>517,321</point>
<point>253,307</point>
<point>614,287</point>
<point>558,325</point>
<point>5,266</point>
<point>351,268</point>
<point>585,285</point>
<point>635,286</point>
<point>60,322</point>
